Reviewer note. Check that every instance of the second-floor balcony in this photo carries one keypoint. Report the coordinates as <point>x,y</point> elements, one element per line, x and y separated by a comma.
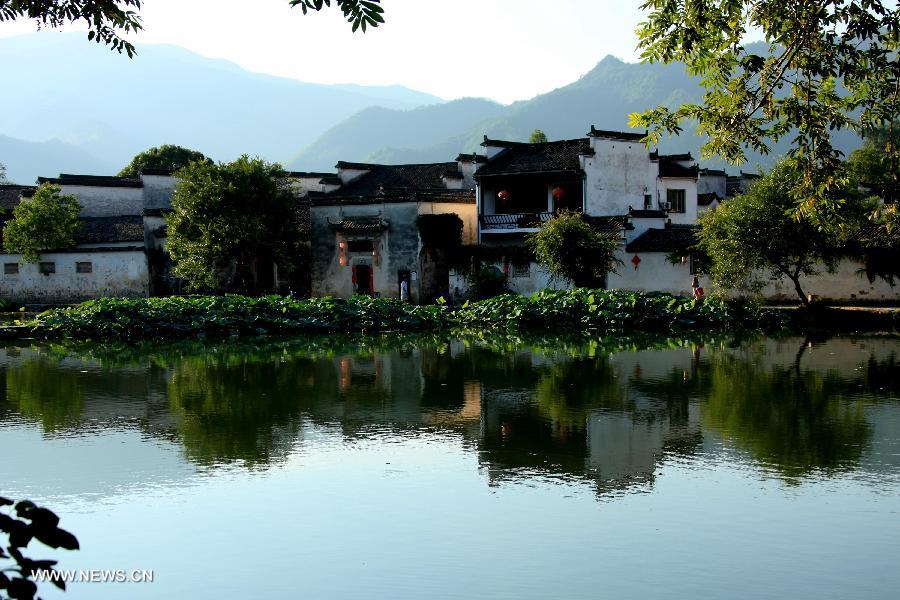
<point>513,222</point>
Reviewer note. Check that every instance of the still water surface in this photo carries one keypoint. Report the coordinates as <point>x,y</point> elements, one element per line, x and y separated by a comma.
<point>433,468</point>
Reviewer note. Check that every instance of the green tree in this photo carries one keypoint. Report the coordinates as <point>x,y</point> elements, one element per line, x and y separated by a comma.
<point>108,20</point>
<point>756,234</point>
<point>537,137</point>
<point>568,247</point>
<point>876,167</point>
<point>47,221</point>
<point>828,65</point>
<point>167,156</point>
<point>230,222</point>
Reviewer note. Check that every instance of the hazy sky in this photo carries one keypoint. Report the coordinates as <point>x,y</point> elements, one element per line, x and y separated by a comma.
<point>502,49</point>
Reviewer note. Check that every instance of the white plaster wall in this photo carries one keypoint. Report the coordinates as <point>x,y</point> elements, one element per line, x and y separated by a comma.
<point>617,176</point>
<point>466,212</point>
<point>302,185</point>
<point>653,274</point>
<point>689,186</point>
<point>847,284</point>
<point>641,226</point>
<point>158,190</point>
<point>106,201</point>
<point>348,175</point>
<point>115,273</point>
<point>707,184</point>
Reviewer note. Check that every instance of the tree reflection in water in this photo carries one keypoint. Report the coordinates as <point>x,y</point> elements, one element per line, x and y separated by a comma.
<point>606,412</point>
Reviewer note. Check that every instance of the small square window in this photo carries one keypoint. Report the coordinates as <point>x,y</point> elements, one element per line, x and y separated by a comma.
<point>10,268</point>
<point>46,268</point>
<point>648,201</point>
<point>522,269</point>
<point>84,267</point>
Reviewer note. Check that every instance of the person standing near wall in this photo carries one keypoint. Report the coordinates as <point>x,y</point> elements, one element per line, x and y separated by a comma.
<point>404,290</point>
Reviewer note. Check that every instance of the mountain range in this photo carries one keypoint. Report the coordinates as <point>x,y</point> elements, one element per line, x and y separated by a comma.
<point>77,96</point>
<point>78,107</point>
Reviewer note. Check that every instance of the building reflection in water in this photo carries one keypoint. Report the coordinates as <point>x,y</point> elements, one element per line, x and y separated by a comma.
<point>607,419</point>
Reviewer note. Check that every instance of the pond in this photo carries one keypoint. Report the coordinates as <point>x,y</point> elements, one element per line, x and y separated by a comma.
<point>424,467</point>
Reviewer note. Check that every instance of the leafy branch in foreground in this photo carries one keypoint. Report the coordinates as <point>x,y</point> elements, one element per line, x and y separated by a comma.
<point>828,65</point>
<point>109,20</point>
<point>361,13</point>
<point>31,522</point>
<point>106,19</point>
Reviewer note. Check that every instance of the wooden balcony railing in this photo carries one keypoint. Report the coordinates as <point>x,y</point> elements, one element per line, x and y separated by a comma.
<point>514,221</point>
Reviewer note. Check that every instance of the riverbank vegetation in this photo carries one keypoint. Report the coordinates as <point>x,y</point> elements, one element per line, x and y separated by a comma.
<point>557,311</point>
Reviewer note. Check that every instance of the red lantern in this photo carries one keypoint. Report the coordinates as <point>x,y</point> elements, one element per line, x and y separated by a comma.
<point>559,192</point>
<point>503,195</point>
<point>636,260</point>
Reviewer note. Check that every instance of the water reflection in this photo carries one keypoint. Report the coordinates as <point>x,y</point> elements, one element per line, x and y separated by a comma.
<point>555,409</point>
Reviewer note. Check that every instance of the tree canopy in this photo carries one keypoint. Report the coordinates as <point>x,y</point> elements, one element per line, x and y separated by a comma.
<point>47,221</point>
<point>755,236</point>
<point>537,137</point>
<point>568,247</point>
<point>876,167</point>
<point>230,222</point>
<point>3,178</point>
<point>165,157</point>
<point>827,65</point>
<point>109,20</point>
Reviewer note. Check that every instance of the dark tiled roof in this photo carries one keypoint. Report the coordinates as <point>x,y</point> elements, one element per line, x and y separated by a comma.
<point>331,180</point>
<point>707,199</point>
<point>500,143</point>
<point>670,168</point>
<point>387,182</point>
<point>647,214</point>
<point>877,236</point>
<point>11,194</point>
<point>674,238</point>
<point>616,135</point>
<point>92,180</point>
<point>610,227</point>
<point>467,158</point>
<point>713,172</point>
<point>309,175</point>
<point>676,157</point>
<point>355,166</point>
<point>98,230</point>
<point>159,172</point>
<point>546,157</point>
<point>155,212</point>
<point>394,195</point>
<point>361,225</point>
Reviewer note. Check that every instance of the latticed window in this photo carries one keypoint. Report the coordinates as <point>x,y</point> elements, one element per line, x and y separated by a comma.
<point>675,198</point>
<point>84,267</point>
<point>521,269</point>
<point>10,268</point>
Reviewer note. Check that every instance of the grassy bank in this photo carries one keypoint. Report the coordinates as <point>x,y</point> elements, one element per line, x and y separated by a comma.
<point>552,311</point>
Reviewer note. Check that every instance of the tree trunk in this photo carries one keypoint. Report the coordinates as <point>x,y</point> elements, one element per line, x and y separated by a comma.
<point>804,299</point>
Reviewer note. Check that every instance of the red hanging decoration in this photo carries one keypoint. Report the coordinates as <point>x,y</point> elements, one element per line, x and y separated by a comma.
<point>559,192</point>
<point>636,261</point>
<point>503,195</point>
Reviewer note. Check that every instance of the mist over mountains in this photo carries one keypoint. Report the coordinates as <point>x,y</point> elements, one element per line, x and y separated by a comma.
<point>77,107</point>
<point>67,92</point>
